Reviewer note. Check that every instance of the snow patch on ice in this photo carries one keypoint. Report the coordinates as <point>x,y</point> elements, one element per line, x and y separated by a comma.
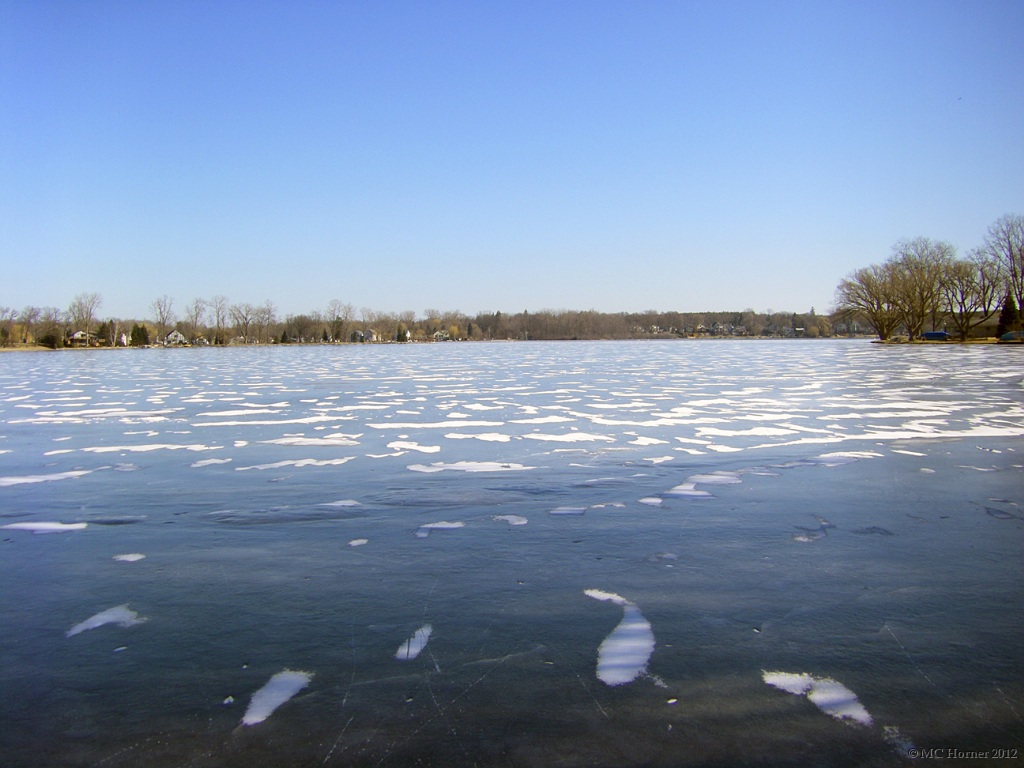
<point>623,655</point>
<point>488,437</point>
<point>25,479</point>
<point>511,519</point>
<point>45,527</point>
<point>402,445</point>
<point>298,463</point>
<point>134,557</point>
<point>279,689</point>
<point>412,647</point>
<point>121,615</point>
<point>831,697</point>
<point>424,530</point>
<point>209,462</point>
<point>469,466</point>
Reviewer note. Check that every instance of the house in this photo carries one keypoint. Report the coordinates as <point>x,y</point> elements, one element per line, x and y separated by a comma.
<point>81,339</point>
<point>175,339</point>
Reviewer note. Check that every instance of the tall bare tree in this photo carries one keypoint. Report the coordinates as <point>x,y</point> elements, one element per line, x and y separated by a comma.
<point>28,318</point>
<point>194,314</point>
<point>82,311</point>
<point>1004,244</point>
<point>163,314</point>
<point>869,293</point>
<point>243,316</point>
<point>339,318</point>
<point>918,268</point>
<point>7,317</point>
<point>970,291</point>
<point>264,316</point>
<point>221,311</point>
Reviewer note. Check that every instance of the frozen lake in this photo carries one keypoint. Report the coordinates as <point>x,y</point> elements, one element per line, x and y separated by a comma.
<point>518,554</point>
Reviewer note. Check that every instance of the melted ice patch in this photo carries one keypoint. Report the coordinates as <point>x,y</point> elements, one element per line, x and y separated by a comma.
<point>831,697</point>
<point>412,647</point>
<point>121,615</point>
<point>623,655</point>
<point>279,689</point>
<point>45,527</point>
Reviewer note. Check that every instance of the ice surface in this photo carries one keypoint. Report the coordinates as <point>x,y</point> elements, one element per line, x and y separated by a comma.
<point>694,463</point>
<point>121,615</point>
<point>279,689</point>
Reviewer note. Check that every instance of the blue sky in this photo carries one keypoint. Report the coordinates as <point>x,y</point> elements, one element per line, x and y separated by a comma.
<point>484,156</point>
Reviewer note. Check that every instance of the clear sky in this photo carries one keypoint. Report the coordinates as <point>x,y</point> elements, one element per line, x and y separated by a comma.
<point>492,155</point>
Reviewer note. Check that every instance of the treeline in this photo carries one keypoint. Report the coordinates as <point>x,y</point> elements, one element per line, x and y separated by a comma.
<point>218,321</point>
<point>924,286</point>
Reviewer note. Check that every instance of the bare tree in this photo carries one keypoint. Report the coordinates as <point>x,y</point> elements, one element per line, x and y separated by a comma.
<point>918,268</point>
<point>970,292</point>
<point>28,318</point>
<point>7,317</point>
<point>163,314</point>
<point>868,293</point>
<point>243,316</point>
<point>339,317</point>
<point>1004,244</point>
<point>82,311</point>
<point>264,316</point>
<point>220,309</point>
<point>194,314</point>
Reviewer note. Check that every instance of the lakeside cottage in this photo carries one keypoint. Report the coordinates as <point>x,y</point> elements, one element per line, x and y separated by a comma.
<point>175,339</point>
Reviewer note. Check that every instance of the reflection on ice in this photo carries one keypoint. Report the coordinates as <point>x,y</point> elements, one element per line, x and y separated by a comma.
<point>276,692</point>
<point>623,655</point>
<point>411,648</point>
<point>121,615</point>
<point>831,697</point>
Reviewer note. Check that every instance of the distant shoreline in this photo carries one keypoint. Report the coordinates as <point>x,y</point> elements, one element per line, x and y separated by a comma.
<point>869,339</point>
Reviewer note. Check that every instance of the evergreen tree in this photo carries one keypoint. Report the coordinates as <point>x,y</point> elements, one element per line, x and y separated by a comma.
<point>139,336</point>
<point>1009,317</point>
